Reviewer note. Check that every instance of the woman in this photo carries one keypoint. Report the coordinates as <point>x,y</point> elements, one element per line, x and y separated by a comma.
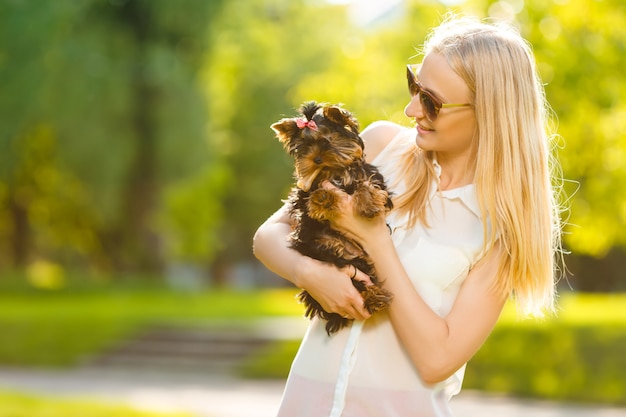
<point>475,222</point>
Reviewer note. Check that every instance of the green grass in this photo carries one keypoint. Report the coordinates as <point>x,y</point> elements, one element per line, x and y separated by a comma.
<point>59,328</point>
<point>578,356</point>
<point>20,405</point>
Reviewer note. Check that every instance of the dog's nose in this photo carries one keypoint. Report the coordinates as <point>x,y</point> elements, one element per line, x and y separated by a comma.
<point>318,160</point>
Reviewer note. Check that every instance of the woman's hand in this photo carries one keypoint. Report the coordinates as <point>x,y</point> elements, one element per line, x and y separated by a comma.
<point>332,287</point>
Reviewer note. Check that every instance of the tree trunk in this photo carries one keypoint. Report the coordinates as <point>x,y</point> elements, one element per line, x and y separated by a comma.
<point>141,188</point>
<point>21,233</point>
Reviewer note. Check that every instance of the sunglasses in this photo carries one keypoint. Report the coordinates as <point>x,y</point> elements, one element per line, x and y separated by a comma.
<point>431,104</point>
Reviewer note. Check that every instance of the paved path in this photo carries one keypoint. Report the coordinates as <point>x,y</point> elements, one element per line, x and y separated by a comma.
<point>206,396</point>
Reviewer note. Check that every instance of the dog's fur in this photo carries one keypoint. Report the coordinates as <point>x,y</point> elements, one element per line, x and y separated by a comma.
<point>330,149</point>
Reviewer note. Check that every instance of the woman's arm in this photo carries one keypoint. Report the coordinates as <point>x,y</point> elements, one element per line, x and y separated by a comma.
<point>438,346</point>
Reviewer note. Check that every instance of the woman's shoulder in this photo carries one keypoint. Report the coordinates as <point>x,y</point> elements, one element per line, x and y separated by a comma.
<point>377,136</point>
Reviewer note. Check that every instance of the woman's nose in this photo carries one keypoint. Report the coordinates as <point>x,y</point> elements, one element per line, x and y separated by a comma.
<point>414,108</point>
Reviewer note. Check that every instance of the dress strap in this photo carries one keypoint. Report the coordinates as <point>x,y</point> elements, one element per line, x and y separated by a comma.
<point>348,358</point>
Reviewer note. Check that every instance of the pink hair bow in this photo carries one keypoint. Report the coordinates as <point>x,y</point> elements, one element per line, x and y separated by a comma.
<point>302,123</point>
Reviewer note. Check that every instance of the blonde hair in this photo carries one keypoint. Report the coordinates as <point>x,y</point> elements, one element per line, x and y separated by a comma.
<point>514,166</point>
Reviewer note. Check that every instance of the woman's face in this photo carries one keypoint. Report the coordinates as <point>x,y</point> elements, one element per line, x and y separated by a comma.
<point>452,131</point>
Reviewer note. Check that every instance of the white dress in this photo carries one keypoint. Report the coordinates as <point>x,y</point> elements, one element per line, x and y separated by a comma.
<point>363,370</point>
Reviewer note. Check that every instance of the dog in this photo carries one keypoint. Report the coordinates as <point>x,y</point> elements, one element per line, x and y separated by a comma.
<point>325,144</point>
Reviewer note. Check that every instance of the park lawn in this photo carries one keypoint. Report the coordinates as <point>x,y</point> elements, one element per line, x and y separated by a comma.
<point>578,356</point>
<point>21,405</point>
<point>61,328</point>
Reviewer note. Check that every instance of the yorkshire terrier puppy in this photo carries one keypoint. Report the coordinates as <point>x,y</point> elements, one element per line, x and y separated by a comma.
<point>325,144</point>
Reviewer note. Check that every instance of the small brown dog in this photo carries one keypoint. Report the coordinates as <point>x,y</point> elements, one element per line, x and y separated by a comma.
<point>325,143</point>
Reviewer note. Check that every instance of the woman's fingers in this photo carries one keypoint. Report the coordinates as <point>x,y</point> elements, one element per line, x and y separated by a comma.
<point>345,197</point>
<point>356,313</point>
<point>333,288</point>
<point>360,313</point>
<point>356,309</point>
<point>362,276</point>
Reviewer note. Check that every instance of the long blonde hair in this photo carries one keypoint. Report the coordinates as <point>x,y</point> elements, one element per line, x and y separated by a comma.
<point>514,167</point>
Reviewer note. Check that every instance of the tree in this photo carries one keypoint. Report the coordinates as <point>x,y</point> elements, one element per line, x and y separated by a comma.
<point>579,46</point>
<point>116,83</point>
<point>262,49</point>
<point>579,49</point>
<point>158,114</point>
<point>270,57</point>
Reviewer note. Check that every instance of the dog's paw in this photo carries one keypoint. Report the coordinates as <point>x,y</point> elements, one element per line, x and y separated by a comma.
<point>376,298</point>
<point>370,201</point>
<point>323,204</point>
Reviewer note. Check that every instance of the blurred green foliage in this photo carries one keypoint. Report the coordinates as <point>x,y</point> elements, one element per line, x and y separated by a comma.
<point>578,356</point>
<point>135,134</point>
<point>558,362</point>
<point>102,113</point>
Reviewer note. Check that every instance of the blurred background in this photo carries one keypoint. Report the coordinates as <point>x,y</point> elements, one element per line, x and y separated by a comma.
<point>136,160</point>
<point>135,134</point>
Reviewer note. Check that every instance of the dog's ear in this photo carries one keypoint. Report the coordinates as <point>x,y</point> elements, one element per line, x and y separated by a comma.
<point>342,117</point>
<point>285,129</point>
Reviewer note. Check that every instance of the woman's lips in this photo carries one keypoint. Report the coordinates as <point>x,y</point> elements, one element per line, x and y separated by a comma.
<point>423,130</point>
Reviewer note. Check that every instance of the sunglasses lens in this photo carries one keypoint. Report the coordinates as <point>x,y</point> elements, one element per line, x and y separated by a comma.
<point>413,88</point>
<point>426,100</point>
<point>429,106</point>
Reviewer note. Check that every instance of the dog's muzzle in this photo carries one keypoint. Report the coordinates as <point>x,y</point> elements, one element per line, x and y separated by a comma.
<point>305,183</point>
